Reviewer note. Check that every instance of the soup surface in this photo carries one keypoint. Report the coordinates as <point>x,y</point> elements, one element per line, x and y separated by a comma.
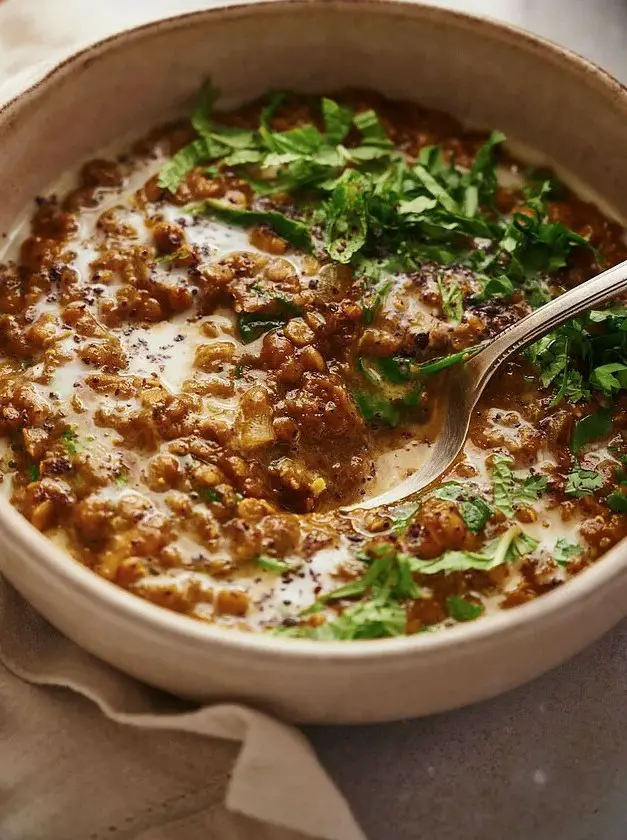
<point>214,341</point>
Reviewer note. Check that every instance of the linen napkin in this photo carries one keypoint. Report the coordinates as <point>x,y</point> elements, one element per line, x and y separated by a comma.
<point>70,775</point>
<point>87,752</point>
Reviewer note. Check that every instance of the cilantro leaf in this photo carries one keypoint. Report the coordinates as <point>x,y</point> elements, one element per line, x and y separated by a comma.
<point>512,544</point>
<point>70,441</point>
<point>591,428</point>
<point>366,620</point>
<point>495,287</point>
<point>617,501</point>
<point>452,299</point>
<point>293,231</point>
<point>463,610</point>
<point>210,494</point>
<point>483,170</point>
<point>401,523</point>
<point>510,488</point>
<point>372,131</point>
<point>201,115</point>
<point>610,378</point>
<point>583,482</point>
<point>373,304</point>
<point>252,325</point>
<point>377,407</point>
<point>337,120</point>
<point>271,564</point>
<point>347,217</point>
<point>180,164</point>
<point>473,510</point>
<point>475,513</point>
<point>387,580</point>
<point>435,188</point>
<point>564,551</point>
<point>435,366</point>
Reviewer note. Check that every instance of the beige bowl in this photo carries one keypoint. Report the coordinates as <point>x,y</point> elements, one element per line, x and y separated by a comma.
<point>487,74</point>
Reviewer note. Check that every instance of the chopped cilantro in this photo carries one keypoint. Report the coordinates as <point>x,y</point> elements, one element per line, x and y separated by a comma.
<point>452,299</point>
<point>175,255</point>
<point>251,325</point>
<point>210,494</point>
<point>378,285</point>
<point>387,581</point>
<point>610,378</point>
<point>585,355</point>
<point>401,523</point>
<point>463,610</point>
<point>347,216</point>
<point>473,510</point>
<point>372,131</point>
<point>372,619</point>
<point>495,287</point>
<point>293,231</point>
<point>271,564</point>
<point>254,324</point>
<point>70,441</point>
<point>201,115</point>
<point>564,551</point>
<point>510,488</point>
<point>593,427</point>
<point>337,120</point>
<point>582,482</point>
<point>387,393</point>
<point>435,366</point>
<point>617,501</point>
<point>190,156</point>
<point>374,407</point>
<point>512,544</point>
<point>388,575</point>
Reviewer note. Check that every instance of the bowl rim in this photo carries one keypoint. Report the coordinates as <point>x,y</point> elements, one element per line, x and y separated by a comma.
<point>120,603</point>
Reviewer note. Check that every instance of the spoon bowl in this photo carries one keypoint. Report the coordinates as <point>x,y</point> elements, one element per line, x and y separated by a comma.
<point>466,382</point>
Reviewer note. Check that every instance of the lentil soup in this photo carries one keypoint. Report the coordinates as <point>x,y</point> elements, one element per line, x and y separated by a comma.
<point>212,342</point>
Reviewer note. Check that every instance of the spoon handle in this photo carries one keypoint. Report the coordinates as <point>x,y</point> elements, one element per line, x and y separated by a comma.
<point>600,289</point>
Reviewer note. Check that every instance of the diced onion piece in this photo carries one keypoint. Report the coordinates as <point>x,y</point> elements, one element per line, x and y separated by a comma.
<point>318,486</point>
<point>255,422</point>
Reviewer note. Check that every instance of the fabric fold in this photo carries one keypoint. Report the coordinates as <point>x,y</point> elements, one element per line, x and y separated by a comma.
<point>276,777</point>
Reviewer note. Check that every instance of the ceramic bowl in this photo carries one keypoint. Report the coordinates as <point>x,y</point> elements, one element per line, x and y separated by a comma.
<point>481,72</point>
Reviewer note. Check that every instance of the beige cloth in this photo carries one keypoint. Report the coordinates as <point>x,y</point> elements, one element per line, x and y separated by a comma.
<point>69,773</point>
<point>69,768</point>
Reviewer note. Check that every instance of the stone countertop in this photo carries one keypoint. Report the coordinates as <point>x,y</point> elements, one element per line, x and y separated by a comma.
<point>545,762</point>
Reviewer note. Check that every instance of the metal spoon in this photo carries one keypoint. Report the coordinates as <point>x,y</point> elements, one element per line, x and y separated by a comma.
<point>466,382</point>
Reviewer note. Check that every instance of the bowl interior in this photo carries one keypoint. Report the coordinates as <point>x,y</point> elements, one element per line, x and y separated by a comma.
<point>485,74</point>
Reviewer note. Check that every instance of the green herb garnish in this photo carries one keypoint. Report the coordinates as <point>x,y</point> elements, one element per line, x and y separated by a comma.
<point>564,551</point>
<point>272,564</point>
<point>210,495</point>
<point>463,610</point>
<point>69,439</point>
<point>293,231</point>
<point>512,544</point>
<point>617,500</point>
<point>452,299</point>
<point>510,488</point>
<point>591,428</point>
<point>472,508</point>
<point>583,482</point>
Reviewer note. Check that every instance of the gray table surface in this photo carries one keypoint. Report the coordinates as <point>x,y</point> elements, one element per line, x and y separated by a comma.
<point>549,760</point>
